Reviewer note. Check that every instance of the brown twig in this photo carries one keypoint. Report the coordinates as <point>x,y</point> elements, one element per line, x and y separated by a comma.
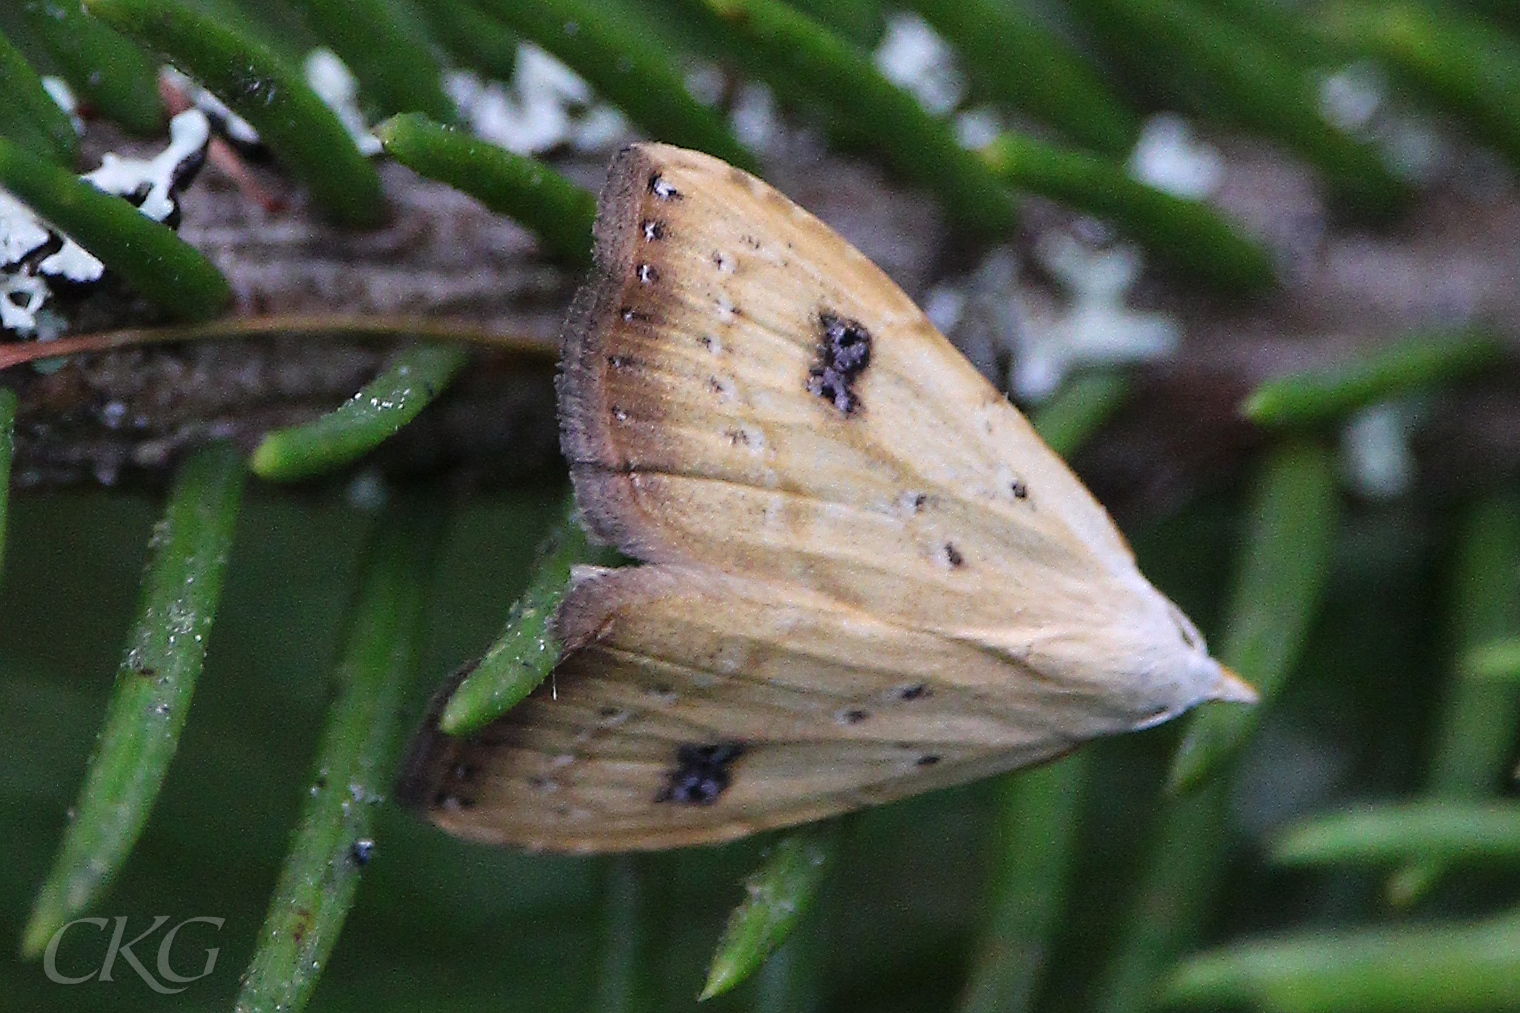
<point>224,156</point>
<point>332,326</point>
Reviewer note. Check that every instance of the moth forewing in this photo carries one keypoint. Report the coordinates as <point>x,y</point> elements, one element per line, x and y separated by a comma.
<point>738,285</point>
<point>864,575</point>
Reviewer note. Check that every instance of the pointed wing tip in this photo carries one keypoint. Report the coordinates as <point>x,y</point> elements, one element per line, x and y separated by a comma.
<point>1231,688</point>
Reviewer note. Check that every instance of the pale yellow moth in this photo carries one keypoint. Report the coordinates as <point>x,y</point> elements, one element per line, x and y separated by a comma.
<point>863,574</point>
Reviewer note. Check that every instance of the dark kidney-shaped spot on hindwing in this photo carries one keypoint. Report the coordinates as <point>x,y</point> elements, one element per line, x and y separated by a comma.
<point>844,352</point>
<point>701,773</point>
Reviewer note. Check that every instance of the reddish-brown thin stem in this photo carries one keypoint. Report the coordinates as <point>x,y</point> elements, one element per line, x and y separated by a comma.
<point>326,325</point>
<point>224,156</point>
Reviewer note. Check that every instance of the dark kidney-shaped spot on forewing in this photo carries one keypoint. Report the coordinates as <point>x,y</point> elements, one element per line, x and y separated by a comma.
<point>701,774</point>
<point>844,352</point>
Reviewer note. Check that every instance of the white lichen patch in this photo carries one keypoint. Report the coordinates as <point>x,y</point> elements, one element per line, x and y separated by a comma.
<point>1350,98</point>
<point>978,127</point>
<point>63,96</point>
<point>1359,101</point>
<point>1169,158</point>
<point>20,231</point>
<point>237,129</point>
<point>156,179</point>
<point>706,83</point>
<point>539,74</point>
<point>755,120</point>
<point>72,263</point>
<point>982,313</point>
<point>151,184</point>
<point>336,86</point>
<point>546,105</point>
<point>1375,455</point>
<point>943,305</point>
<point>915,58</point>
<point>495,114</point>
<point>21,297</point>
<point>1415,149</point>
<point>602,128</point>
<point>23,289</point>
<point>1096,328</point>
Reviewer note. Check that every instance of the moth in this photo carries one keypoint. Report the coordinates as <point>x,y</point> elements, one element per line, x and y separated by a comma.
<point>863,576</point>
